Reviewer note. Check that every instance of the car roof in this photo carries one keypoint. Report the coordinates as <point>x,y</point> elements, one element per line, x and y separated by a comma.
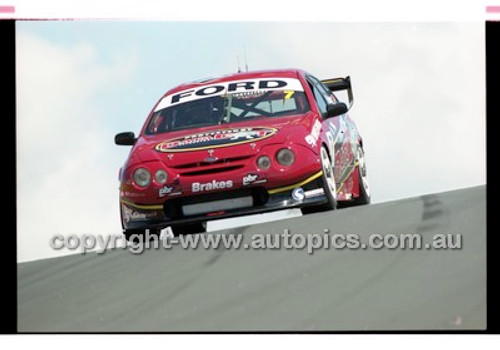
<point>275,73</point>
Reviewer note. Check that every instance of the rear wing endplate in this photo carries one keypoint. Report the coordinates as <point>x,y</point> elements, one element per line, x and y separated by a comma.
<point>339,84</point>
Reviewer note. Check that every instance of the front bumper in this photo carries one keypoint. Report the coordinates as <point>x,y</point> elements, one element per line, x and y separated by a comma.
<point>136,216</point>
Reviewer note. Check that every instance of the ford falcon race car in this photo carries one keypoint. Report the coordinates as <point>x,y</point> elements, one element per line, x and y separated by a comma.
<point>242,144</point>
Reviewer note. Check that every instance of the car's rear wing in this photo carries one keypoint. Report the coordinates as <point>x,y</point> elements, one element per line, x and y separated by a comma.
<point>338,84</point>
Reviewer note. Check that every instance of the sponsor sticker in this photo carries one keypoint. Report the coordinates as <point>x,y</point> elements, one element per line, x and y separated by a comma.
<point>215,139</point>
<point>314,193</point>
<point>298,194</point>
<point>165,191</point>
<point>129,194</point>
<point>211,186</point>
<point>247,180</point>
<point>130,214</point>
<point>250,179</point>
<point>313,137</point>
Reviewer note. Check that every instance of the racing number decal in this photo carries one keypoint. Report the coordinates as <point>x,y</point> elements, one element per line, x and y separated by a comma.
<point>288,94</point>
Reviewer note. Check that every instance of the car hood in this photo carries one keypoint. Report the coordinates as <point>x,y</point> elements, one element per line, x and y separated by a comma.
<point>241,139</point>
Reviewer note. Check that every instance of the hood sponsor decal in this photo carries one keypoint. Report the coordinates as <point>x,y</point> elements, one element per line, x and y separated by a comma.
<point>215,139</point>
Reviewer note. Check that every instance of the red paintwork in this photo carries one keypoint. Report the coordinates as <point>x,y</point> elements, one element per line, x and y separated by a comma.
<point>292,131</point>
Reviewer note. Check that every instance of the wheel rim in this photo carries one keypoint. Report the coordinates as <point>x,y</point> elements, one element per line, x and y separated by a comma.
<point>362,171</point>
<point>328,172</point>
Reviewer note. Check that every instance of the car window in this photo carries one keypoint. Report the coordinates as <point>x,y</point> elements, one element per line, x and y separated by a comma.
<point>329,95</point>
<point>320,85</point>
<point>319,98</point>
<point>228,108</point>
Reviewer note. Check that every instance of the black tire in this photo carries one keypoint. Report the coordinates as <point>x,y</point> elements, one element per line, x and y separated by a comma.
<point>188,229</point>
<point>329,185</point>
<point>138,236</point>
<point>364,188</point>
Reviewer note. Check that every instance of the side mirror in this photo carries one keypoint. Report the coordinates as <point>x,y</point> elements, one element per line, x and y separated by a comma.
<point>125,139</point>
<point>336,109</point>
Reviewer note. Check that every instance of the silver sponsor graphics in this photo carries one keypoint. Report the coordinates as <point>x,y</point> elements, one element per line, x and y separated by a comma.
<point>298,194</point>
<point>130,214</point>
<point>250,179</point>
<point>247,180</point>
<point>165,190</point>
<point>314,193</point>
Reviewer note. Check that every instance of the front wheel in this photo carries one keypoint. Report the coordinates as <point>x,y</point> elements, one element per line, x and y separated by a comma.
<point>139,236</point>
<point>329,185</point>
<point>188,229</point>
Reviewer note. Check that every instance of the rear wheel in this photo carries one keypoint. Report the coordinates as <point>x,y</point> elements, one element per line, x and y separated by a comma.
<point>329,185</point>
<point>364,187</point>
<point>188,229</point>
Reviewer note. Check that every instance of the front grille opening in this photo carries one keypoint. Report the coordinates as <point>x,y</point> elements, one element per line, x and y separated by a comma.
<point>173,207</point>
<point>219,161</point>
<point>211,171</point>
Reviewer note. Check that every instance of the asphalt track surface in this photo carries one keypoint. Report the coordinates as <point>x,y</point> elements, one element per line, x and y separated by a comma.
<point>277,290</point>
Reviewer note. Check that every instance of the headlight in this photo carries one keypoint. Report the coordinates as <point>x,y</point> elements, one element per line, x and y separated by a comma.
<point>285,157</point>
<point>161,176</point>
<point>142,177</point>
<point>264,162</point>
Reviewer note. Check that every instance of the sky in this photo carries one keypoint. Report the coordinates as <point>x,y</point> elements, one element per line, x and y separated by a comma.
<point>418,91</point>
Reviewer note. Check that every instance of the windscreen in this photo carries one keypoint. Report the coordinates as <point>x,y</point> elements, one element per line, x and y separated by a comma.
<point>229,102</point>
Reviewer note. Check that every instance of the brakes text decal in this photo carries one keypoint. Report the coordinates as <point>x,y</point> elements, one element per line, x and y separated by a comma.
<point>211,186</point>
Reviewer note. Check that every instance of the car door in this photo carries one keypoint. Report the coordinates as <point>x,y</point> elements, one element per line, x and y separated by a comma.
<point>336,129</point>
<point>346,142</point>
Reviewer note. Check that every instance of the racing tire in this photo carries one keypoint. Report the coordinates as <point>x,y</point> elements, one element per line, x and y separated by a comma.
<point>329,185</point>
<point>138,235</point>
<point>188,229</point>
<point>364,187</point>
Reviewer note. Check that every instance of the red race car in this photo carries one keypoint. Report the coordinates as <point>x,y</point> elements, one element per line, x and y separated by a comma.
<point>242,144</point>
